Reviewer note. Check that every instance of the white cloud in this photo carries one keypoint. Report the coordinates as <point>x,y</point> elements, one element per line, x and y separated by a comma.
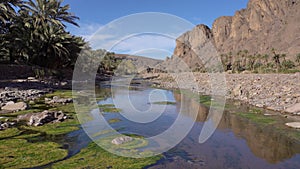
<point>152,45</point>
<point>86,30</point>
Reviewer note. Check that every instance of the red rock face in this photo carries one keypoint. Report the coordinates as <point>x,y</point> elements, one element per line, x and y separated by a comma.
<point>263,25</point>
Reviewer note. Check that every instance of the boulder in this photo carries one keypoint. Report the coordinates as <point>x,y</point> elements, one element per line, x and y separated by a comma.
<point>6,125</point>
<point>10,103</point>
<point>24,117</point>
<point>293,109</point>
<point>39,119</point>
<point>121,140</point>
<point>237,91</point>
<point>15,106</point>
<point>58,100</point>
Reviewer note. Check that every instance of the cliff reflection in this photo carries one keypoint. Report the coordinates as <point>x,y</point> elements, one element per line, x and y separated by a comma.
<point>264,142</point>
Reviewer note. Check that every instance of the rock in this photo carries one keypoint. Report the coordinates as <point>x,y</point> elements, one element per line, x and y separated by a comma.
<point>6,125</point>
<point>9,95</point>
<point>47,99</point>
<point>31,102</point>
<point>259,105</point>
<point>24,117</point>
<point>15,106</point>
<point>254,29</point>
<point>121,140</point>
<point>293,109</point>
<point>237,91</point>
<point>295,125</point>
<point>10,103</point>
<point>31,78</point>
<point>287,100</point>
<point>63,83</point>
<point>58,100</point>
<point>39,119</point>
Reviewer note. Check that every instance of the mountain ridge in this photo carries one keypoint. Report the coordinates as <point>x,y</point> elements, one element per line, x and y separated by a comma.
<point>263,26</point>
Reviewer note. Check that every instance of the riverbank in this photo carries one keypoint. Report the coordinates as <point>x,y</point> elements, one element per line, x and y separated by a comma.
<point>57,144</point>
<point>278,92</point>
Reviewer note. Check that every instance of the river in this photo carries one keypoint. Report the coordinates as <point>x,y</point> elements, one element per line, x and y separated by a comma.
<point>238,142</point>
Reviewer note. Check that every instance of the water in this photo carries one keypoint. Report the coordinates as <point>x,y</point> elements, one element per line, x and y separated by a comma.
<point>237,143</point>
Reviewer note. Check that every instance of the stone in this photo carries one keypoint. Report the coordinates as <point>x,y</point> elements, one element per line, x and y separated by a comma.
<point>259,105</point>
<point>10,95</point>
<point>121,140</point>
<point>24,117</point>
<point>237,91</point>
<point>6,125</point>
<point>295,125</point>
<point>58,100</point>
<point>39,119</point>
<point>287,100</point>
<point>63,83</point>
<point>31,78</point>
<point>293,109</point>
<point>15,106</point>
<point>10,103</point>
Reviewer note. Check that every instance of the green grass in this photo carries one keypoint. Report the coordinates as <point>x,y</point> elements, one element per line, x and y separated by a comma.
<point>8,133</point>
<point>56,128</point>
<point>256,110</point>
<point>205,100</point>
<point>61,94</point>
<point>68,108</point>
<point>95,157</point>
<point>103,132</point>
<point>114,120</point>
<point>257,118</point>
<point>137,142</point>
<point>164,103</point>
<point>29,146</point>
<point>18,153</point>
<point>15,114</point>
<point>109,108</point>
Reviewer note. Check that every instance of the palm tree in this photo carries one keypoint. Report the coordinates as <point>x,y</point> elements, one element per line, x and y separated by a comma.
<point>276,59</point>
<point>7,11</point>
<point>48,44</point>
<point>50,12</point>
<point>36,33</point>
<point>7,15</point>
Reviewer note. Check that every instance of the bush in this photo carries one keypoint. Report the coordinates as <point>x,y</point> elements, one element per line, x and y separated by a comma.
<point>288,64</point>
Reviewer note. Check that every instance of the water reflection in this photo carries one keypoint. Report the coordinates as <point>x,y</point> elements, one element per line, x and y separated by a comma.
<point>238,143</point>
<point>264,142</point>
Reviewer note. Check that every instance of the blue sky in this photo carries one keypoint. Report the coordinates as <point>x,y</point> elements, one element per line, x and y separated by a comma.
<point>98,13</point>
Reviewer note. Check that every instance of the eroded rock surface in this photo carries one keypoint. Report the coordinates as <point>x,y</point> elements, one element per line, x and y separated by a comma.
<point>121,140</point>
<point>14,107</point>
<point>39,119</point>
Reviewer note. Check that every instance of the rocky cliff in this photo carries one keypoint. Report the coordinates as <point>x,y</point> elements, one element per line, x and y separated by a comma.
<point>263,25</point>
